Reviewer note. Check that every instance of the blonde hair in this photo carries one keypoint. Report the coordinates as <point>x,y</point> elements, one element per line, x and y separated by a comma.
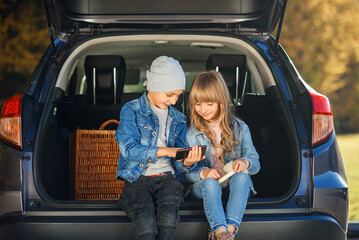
<point>211,87</point>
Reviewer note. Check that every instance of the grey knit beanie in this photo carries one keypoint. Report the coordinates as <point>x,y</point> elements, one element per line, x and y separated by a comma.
<point>165,75</point>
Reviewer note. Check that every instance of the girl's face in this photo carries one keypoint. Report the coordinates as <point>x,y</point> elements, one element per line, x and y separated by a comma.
<point>209,111</point>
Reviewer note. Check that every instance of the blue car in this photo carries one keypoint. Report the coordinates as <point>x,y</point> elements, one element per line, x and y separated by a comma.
<point>57,175</point>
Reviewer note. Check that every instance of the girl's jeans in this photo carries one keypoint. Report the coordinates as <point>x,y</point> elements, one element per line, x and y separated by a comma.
<point>149,197</point>
<point>210,191</point>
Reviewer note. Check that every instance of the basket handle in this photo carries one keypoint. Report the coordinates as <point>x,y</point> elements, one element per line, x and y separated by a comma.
<point>103,125</point>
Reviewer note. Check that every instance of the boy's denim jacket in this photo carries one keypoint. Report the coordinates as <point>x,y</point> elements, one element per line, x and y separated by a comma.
<point>137,135</point>
<point>245,149</point>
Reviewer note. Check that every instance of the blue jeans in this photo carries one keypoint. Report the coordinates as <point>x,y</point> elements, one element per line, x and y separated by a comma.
<point>152,204</point>
<point>211,192</point>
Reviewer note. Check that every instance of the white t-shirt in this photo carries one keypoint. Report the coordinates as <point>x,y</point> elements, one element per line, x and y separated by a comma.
<point>163,164</point>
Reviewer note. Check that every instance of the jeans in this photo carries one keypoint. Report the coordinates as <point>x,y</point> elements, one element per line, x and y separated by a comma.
<point>211,192</point>
<point>149,197</point>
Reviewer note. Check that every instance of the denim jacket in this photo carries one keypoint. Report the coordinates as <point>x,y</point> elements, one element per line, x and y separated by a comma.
<point>245,149</point>
<point>137,135</point>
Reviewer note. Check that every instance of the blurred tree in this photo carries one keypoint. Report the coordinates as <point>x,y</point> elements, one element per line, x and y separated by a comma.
<point>321,37</point>
<point>23,39</point>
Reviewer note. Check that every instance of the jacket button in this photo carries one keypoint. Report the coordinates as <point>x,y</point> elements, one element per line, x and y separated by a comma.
<point>153,133</point>
<point>141,164</point>
<point>150,161</point>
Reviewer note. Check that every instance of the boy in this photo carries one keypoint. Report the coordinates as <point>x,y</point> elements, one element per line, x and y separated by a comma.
<point>149,134</point>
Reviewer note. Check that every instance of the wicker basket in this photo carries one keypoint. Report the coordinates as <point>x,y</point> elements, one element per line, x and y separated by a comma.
<point>94,163</point>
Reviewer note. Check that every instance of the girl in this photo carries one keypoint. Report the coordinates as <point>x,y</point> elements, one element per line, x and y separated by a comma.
<point>228,140</point>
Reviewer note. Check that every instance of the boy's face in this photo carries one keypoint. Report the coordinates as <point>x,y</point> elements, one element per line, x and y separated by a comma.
<point>163,99</point>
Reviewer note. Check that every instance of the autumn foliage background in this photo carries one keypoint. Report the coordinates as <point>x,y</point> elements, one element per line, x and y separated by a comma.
<point>321,37</point>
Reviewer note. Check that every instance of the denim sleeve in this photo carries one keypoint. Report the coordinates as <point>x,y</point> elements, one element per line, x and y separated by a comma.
<point>192,175</point>
<point>180,141</point>
<point>248,151</point>
<point>128,138</point>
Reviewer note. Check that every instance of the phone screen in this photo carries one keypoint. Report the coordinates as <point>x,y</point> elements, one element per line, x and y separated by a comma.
<point>183,153</point>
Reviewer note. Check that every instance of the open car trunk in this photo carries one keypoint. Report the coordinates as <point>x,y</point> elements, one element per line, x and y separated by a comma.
<point>82,101</point>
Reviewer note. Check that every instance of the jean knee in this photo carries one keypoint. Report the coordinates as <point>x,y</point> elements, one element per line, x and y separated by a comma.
<point>211,185</point>
<point>240,179</point>
<point>144,223</point>
<point>168,214</point>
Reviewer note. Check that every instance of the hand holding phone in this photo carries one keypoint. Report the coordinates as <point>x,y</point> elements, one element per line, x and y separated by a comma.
<point>183,153</point>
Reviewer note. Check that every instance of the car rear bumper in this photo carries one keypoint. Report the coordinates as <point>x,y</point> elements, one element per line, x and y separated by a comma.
<point>190,227</point>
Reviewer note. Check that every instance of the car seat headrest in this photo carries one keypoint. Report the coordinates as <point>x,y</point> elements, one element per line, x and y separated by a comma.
<point>105,77</point>
<point>232,67</point>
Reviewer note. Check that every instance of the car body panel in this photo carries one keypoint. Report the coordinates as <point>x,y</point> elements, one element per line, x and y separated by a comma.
<point>10,181</point>
<point>196,228</point>
<point>330,194</point>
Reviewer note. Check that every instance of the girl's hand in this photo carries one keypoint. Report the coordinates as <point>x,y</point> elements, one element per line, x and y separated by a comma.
<point>240,165</point>
<point>195,155</point>
<point>212,173</point>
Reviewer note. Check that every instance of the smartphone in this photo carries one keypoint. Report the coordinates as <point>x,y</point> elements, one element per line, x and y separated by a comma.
<point>183,153</point>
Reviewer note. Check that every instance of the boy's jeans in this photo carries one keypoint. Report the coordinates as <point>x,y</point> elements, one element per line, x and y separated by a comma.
<point>149,197</point>
<point>210,191</point>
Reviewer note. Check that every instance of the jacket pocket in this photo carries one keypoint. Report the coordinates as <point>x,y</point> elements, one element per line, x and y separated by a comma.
<point>147,132</point>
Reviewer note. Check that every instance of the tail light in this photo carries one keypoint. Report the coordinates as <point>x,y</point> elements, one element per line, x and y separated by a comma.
<point>10,120</point>
<point>323,125</point>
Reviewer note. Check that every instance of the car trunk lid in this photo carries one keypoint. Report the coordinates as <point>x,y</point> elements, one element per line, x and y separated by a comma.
<point>242,16</point>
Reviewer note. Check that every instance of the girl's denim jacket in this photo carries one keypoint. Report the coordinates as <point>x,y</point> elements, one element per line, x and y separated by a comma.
<point>137,135</point>
<point>245,149</point>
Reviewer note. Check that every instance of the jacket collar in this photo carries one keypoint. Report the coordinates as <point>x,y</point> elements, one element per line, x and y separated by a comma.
<point>145,105</point>
<point>146,109</point>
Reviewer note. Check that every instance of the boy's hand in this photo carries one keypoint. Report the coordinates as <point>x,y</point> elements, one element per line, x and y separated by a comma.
<point>212,173</point>
<point>195,155</point>
<point>240,165</point>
